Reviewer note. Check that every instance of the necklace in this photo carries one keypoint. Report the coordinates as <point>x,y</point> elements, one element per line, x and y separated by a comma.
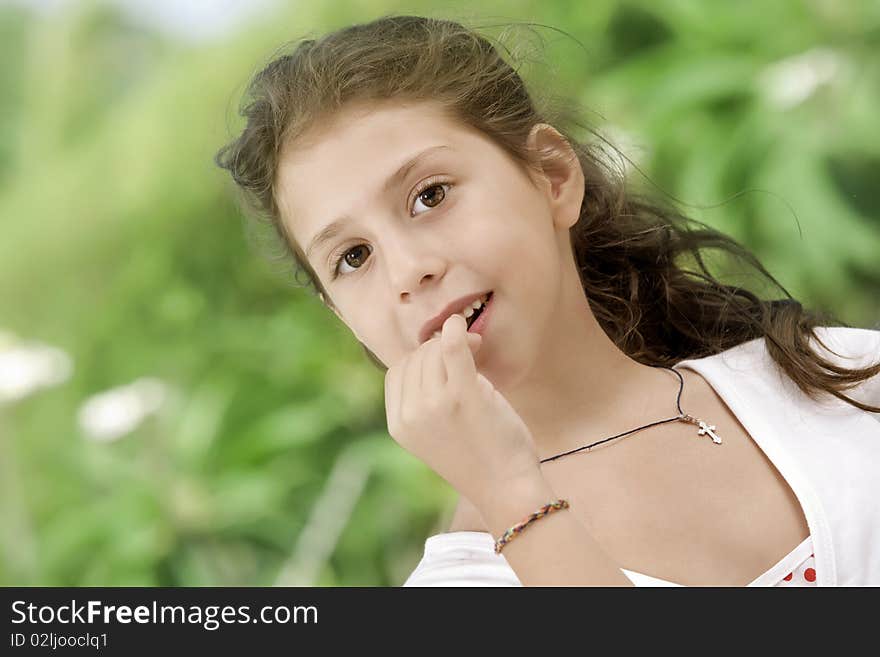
<point>704,429</point>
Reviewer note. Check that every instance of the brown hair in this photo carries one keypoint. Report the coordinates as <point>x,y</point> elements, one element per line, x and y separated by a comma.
<point>630,249</point>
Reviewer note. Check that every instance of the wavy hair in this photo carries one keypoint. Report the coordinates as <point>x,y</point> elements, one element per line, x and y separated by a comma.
<point>632,250</point>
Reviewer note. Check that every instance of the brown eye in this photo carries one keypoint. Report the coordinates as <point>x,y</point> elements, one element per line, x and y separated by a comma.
<point>432,195</point>
<point>354,257</point>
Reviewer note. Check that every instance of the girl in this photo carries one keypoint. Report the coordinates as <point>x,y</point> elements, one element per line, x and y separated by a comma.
<point>603,411</point>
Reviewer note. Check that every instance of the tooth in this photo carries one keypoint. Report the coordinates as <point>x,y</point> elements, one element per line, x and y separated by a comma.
<point>469,310</point>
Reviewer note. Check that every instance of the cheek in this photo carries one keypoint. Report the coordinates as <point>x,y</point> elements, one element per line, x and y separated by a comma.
<point>502,243</point>
<point>377,333</point>
<point>480,234</point>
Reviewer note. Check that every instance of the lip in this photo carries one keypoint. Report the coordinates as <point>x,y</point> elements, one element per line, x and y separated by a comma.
<point>436,322</point>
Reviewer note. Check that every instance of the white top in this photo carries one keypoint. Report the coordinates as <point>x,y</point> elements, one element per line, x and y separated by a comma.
<point>827,452</point>
<point>468,558</point>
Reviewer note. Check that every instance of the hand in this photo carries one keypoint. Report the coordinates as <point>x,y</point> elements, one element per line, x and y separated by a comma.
<point>443,411</point>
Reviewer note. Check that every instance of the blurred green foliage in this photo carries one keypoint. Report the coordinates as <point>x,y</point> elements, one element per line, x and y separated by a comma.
<point>268,461</point>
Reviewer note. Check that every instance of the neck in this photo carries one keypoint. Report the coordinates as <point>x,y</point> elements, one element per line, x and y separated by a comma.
<point>585,388</point>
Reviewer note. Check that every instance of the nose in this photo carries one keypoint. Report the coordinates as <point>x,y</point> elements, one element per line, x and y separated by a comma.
<point>411,267</point>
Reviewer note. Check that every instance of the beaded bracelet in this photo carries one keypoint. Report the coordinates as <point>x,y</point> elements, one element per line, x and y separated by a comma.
<point>511,533</point>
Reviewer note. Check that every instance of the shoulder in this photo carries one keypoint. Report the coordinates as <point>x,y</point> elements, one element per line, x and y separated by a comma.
<point>853,348</point>
<point>843,346</point>
<point>848,346</point>
<point>840,347</point>
<point>747,370</point>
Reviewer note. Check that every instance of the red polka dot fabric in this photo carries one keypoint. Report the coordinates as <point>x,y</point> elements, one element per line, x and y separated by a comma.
<point>803,574</point>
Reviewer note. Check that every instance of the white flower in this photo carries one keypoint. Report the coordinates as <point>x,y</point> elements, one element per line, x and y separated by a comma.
<point>26,367</point>
<point>792,80</point>
<point>114,413</point>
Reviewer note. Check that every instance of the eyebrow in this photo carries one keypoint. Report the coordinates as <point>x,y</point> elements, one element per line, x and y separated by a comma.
<point>335,227</point>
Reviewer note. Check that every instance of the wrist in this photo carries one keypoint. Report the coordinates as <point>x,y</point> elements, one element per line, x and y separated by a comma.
<point>514,502</point>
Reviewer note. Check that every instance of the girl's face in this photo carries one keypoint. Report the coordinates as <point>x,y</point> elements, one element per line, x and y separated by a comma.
<point>415,234</point>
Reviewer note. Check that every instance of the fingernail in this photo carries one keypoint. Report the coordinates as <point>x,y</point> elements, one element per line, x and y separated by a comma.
<point>451,318</point>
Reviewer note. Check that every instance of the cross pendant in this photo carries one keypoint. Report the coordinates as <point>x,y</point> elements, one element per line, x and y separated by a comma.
<point>710,429</point>
<point>704,428</point>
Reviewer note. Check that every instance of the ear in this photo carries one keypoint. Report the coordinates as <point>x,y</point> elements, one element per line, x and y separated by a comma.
<point>563,177</point>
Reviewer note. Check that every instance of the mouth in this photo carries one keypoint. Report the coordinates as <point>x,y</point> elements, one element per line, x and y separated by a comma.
<point>475,317</point>
<point>479,313</point>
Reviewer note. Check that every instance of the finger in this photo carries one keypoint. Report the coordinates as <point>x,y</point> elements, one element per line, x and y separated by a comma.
<point>474,342</point>
<point>460,369</point>
<point>433,369</point>
<point>485,385</point>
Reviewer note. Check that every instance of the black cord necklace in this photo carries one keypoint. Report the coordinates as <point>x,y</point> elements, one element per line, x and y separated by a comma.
<point>705,429</point>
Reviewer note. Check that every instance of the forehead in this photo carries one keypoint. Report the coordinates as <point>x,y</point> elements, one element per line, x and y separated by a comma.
<point>348,159</point>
